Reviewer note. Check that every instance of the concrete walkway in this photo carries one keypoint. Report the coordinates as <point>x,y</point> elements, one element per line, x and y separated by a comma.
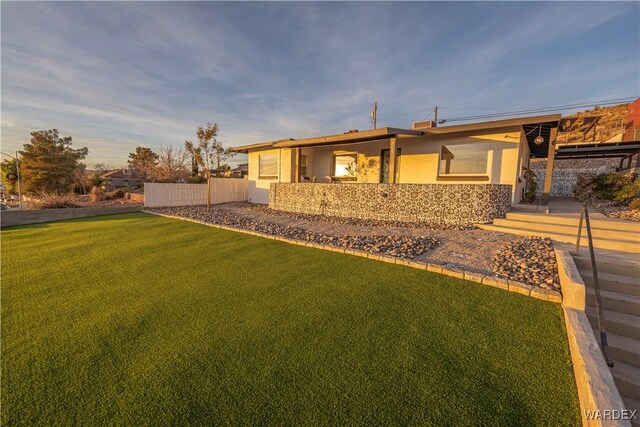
<point>561,225</point>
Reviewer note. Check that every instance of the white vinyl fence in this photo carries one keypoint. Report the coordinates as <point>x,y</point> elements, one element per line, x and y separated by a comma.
<point>222,190</point>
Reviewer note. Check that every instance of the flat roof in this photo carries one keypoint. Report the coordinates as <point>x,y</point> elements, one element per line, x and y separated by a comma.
<point>245,148</point>
<point>494,124</point>
<point>388,132</point>
<point>343,138</point>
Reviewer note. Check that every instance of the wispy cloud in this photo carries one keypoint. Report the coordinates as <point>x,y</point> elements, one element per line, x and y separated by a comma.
<point>117,75</point>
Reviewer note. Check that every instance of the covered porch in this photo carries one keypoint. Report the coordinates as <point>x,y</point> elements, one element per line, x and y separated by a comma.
<point>362,157</point>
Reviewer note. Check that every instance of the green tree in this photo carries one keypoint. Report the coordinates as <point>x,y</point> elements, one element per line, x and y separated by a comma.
<point>9,167</point>
<point>48,163</point>
<point>143,163</point>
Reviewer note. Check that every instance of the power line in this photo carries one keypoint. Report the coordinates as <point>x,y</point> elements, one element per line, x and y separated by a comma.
<point>502,114</point>
<point>511,112</point>
<point>540,110</point>
<point>408,114</point>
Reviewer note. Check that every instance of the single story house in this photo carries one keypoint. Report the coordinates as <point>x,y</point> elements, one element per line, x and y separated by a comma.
<point>493,152</point>
<point>120,178</point>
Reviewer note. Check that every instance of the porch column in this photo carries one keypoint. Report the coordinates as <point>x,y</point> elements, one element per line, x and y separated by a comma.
<point>551,154</point>
<point>297,169</point>
<point>393,143</point>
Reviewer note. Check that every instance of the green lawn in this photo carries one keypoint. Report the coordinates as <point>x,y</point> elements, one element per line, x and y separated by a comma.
<point>134,319</point>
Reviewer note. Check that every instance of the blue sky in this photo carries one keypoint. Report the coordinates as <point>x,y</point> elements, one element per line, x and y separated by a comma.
<point>118,75</point>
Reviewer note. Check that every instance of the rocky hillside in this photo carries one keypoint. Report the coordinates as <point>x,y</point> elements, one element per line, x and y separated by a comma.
<point>611,123</point>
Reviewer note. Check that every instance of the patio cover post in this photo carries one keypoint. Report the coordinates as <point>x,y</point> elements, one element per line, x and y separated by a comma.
<point>297,177</point>
<point>392,159</point>
<point>551,154</point>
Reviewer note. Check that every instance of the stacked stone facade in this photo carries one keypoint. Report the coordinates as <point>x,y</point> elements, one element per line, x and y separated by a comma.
<point>566,171</point>
<point>431,203</point>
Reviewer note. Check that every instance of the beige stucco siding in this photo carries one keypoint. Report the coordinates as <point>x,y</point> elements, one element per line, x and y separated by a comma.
<point>259,188</point>
<point>420,158</point>
<point>418,162</point>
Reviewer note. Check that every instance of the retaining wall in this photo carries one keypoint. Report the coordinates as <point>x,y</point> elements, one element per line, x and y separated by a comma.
<point>23,217</point>
<point>434,203</point>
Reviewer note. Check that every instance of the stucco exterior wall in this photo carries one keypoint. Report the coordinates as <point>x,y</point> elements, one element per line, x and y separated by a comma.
<point>420,158</point>
<point>418,162</point>
<point>258,191</point>
<point>433,203</point>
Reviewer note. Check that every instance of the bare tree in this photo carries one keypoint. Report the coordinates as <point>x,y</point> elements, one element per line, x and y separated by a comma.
<point>220,154</point>
<point>172,164</point>
<point>102,168</point>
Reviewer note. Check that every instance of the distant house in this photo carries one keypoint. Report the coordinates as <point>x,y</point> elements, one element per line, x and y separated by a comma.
<point>120,178</point>
<point>240,171</point>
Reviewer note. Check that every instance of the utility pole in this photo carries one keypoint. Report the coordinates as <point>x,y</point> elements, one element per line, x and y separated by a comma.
<point>374,115</point>
<point>435,116</point>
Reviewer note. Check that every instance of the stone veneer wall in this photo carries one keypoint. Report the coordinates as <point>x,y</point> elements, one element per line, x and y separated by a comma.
<point>564,181</point>
<point>433,203</point>
<point>566,171</point>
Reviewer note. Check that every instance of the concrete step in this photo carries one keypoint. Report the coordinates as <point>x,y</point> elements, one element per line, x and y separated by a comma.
<point>623,349</point>
<point>566,238</point>
<point>612,282</point>
<point>627,379</point>
<point>605,263</point>
<point>623,324</point>
<point>631,236</point>
<point>633,404</point>
<point>615,301</point>
<point>573,220</point>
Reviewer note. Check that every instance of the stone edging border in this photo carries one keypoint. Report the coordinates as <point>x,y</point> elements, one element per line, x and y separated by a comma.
<point>497,282</point>
<point>596,388</point>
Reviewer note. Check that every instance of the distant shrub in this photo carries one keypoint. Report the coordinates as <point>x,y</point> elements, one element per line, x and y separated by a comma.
<point>197,179</point>
<point>97,194</point>
<point>115,194</point>
<point>95,180</point>
<point>607,185</point>
<point>618,188</point>
<point>627,193</point>
<point>56,200</point>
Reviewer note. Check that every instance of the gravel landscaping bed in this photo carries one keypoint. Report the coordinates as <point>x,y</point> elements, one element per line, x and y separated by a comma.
<point>528,260</point>
<point>531,260</point>
<point>398,246</point>
<point>613,210</point>
<point>355,221</point>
